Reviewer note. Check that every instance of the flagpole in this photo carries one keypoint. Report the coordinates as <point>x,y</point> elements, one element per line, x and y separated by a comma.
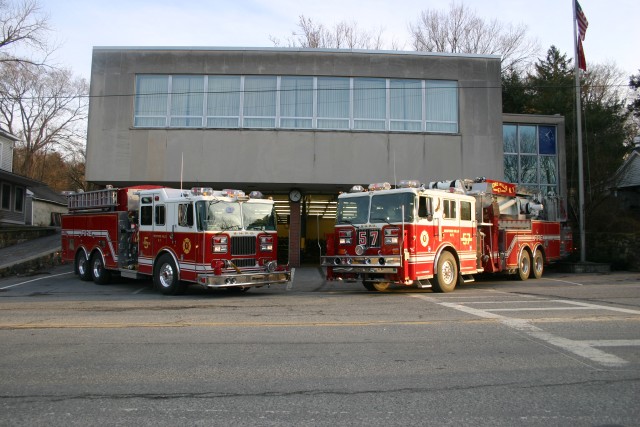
<point>583,251</point>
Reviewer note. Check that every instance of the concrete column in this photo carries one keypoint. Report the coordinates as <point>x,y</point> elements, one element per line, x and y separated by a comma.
<point>294,234</point>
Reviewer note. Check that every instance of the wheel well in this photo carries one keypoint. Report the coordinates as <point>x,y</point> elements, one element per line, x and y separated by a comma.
<point>171,254</point>
<point>452,251</point>
<point>541,249</point>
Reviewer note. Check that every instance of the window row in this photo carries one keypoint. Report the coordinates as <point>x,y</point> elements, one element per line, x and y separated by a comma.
<point>296,102</point>
<point>530,156</point>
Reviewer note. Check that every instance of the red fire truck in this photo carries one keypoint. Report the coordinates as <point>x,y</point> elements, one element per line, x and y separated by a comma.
<point>441,234</point>
<point>216,239</point>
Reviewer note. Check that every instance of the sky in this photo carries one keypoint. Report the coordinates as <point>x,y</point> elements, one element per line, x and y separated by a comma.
<point>79,25</point>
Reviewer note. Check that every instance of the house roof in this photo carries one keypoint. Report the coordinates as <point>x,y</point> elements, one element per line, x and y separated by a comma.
<point>7,135</point>
<point>48,195</point>
<point>19,179</point>
<point>628,175</point>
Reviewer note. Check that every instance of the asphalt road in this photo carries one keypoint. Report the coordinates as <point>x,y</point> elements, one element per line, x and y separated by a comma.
<point>563,350</point>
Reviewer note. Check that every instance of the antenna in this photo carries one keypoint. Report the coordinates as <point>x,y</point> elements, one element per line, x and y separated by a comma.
<point>395,181</point>
<point>181,169</point>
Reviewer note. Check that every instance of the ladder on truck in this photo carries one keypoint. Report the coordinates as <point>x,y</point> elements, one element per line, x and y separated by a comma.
<point>106,199</point>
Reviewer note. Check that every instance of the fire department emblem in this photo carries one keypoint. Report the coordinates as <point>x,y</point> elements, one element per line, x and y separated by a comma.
<point>466,238</point>
<point>186,245</point>
<point>424,238</point>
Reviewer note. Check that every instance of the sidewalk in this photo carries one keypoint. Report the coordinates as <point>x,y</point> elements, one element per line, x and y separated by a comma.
<point>31,255</point>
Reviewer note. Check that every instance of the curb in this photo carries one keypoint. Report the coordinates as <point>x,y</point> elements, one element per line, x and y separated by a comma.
<point>34,263</point>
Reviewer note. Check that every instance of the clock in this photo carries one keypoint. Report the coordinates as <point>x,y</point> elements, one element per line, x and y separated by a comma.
<point>295,195</point>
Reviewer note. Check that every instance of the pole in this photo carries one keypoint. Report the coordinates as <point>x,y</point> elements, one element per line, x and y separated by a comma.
<point>583,250</point>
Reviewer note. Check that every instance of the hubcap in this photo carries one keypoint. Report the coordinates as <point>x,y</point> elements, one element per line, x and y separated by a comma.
<point>447,272</point>
<point>524,265</point>
<point>166,275</point>
<point>82,266</point>
<point>97,268</point>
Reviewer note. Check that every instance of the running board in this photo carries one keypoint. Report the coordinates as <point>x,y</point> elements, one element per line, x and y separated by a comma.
<point>423,284</point>
<point>468,278</point>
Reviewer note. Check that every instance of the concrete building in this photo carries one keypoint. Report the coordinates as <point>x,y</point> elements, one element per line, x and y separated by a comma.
<point>296,121</point>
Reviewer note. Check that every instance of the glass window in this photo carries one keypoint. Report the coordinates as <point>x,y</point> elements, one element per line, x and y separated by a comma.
<point>353,210</point>
<point>548,172</point>
<point>405,104</point>
<point>547,139</point>
<point>152,94</point>
<point>187,95</point>
<point>511,168</point>
<point>369,103</point>
<point>258,216</point>
<point>296,102</point>
<point>465,211</point>
<point>223,102</point>
<point>509,138</point>
<point>442,106</point>
<point>19,200</point>
<point>6,196</point>
<point>527,139</point>
<point>333,102</point>
<point>160,216</point>
<point>185,214</point>
<point>260,101</point>
<point>528,170</point>
<point>390,207</point>
<point>146,217</point>
<point>449,207</point>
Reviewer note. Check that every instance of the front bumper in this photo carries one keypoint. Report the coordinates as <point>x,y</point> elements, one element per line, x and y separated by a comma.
<point>245,280</point>
<point>387,264</point>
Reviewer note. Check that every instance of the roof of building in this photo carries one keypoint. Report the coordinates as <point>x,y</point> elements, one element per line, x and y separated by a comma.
<point>628,175</point>
<point>8,135</point>
<point>46,194</point>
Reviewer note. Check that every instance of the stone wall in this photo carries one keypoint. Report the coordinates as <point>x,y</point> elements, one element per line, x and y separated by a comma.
<point>12,235</point>
<point>621,250</point>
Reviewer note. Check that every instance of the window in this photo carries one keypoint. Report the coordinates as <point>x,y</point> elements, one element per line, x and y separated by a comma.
<point>19,200</point>
<point>405,104</point>
<point>146,215</point>
<point>449,207</point>
<point>260,101</point>
<point>152,94</point>
<point>424,207</point>
<point>185,214</point>
<point>296,102</point>
<point>530,157</point>
<point>333,103</point>
<point>6,196</point>
<point>223,102</point>
<point>465,211</point>
<point>369,104</point>
<point>442,106</point>
<point>160,215</point>
<point>187,95</point>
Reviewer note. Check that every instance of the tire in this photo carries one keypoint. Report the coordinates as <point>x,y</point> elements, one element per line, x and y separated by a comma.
<point>524,265</point>
<point>447,275</point>
<point>166,278</point>
<point>82,266</point>
<point>538,264</point>
<point>369,286</point>
<point>381,286</point>
<point>99,274</point>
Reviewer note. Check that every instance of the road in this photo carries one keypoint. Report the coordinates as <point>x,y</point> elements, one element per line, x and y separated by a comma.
<point>562,350</point>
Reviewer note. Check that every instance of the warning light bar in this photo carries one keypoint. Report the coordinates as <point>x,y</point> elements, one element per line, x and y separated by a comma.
<point>379,186</point>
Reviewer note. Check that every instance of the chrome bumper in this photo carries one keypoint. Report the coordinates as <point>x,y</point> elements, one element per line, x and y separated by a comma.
<point>245,280</point>
<point>362,263</point>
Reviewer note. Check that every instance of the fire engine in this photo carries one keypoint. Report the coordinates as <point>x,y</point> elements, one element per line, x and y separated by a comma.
<point>216,239</point>
<point>441,234</point>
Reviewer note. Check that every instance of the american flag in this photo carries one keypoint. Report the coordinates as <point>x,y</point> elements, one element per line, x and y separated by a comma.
<point>582,21</point>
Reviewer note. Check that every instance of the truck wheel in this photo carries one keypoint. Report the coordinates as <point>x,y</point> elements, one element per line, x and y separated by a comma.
<point>524,265</point>
<point>447,276</point>
<point>369,286</point>
<point>381,286</point>
<point>165,276</point>
<point>100,275</point>
<point>538,264</point>
<point>82,266</point>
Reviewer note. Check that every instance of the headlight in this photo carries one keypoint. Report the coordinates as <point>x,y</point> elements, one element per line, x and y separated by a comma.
<point>219,244</point>
<point>266,243</point>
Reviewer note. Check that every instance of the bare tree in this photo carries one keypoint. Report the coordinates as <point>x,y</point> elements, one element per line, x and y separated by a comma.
<point>460,30</point>
<point>343,35</point>
<point>23,29</point>
<point>46,108</point>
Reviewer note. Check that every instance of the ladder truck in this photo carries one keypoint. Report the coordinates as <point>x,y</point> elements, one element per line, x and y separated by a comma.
<point>215,239</point>
<point>441,234</point>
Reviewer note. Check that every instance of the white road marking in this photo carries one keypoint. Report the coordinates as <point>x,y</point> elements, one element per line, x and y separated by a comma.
<point>581,348</point>
<point>35,280</point>
<point>566,281</point>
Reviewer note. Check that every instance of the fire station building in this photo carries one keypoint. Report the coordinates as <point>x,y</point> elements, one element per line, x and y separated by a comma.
<point>302,125</point>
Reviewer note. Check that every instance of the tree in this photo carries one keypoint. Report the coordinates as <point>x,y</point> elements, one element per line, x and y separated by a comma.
<point>23,28</point>
<point>461,30</point>
<point>46,108</point>
<point>634,84</point>
<point>343,35</point>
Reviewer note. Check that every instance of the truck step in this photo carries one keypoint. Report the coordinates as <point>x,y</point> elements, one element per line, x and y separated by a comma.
<point>468,278</point>
<point>423,284</point>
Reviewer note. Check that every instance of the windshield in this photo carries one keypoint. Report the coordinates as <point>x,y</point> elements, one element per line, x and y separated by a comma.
<point>258,216</point>
<point>389,207</point>
<point>353,210</point>
<point>217,215</point>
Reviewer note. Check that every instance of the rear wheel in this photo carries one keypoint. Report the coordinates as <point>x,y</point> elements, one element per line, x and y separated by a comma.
<point>524,265</point>
<point>447,274</point>
<point>100,275</point>
<point>82,266</point>
<point>381,286</point>
<point>369,286</point>
<point>165,276</point>
<point>538,264</point>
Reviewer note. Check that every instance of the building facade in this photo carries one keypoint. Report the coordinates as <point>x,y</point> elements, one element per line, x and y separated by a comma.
<point>292,121</point>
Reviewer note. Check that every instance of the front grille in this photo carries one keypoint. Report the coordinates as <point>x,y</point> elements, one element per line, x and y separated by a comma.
<point>243,245</point>
<point>244,262</point>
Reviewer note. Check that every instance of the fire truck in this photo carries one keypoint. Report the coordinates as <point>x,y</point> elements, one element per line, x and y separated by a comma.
<point>216,239</point>
<point>441,234</point>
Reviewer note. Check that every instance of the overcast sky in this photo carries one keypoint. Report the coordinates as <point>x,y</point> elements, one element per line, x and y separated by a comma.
<point>80,25</point>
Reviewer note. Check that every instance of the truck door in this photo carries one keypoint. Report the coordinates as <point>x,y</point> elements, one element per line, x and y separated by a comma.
<point>468,237</point>
<point>425,238</point>
<point>153,230</point>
